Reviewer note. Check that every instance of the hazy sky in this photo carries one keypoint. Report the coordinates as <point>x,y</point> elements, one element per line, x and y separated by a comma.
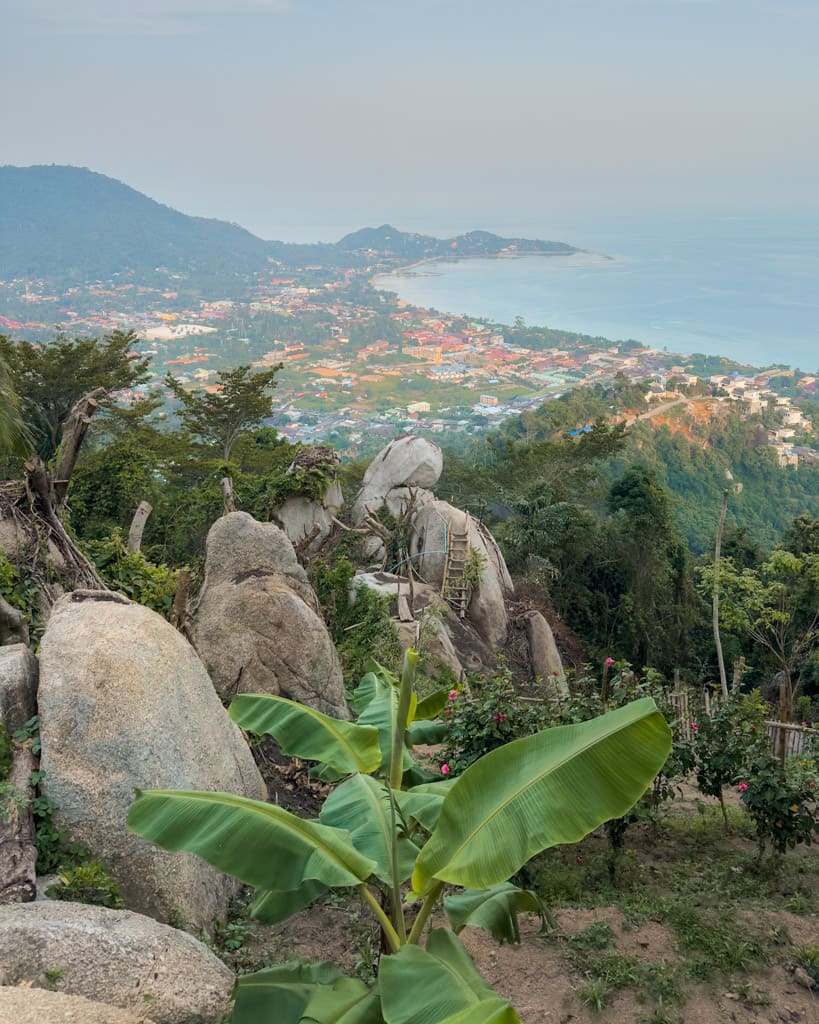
<point>307,118</point>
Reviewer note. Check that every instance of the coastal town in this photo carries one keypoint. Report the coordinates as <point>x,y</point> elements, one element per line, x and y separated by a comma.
<point>357,364</point>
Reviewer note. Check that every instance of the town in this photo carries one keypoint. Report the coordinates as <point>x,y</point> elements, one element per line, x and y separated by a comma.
<point>359,365</point>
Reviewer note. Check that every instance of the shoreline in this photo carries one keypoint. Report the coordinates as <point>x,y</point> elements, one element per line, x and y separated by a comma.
<point>673,348</point>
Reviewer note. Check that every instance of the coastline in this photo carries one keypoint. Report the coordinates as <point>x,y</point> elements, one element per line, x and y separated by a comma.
<point>617,307</point>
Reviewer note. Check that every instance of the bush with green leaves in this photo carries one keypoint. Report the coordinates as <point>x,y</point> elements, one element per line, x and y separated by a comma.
<point>132,574</point>
<point>380,828</point>
<point>727,741</point>
<point>358,619</point>
<point>88,882</point>
<point>490,715</point>
<point>783,806</point>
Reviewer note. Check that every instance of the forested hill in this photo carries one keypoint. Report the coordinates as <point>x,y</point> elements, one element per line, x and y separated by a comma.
<point>390,241</point>
<point>68,223</point>
<point>693,456</point>
<point>71,225</point>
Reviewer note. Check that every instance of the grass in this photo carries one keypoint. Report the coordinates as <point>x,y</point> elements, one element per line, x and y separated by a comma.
<point>704,885</point>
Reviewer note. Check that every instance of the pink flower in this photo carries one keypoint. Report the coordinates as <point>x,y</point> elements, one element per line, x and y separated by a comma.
<point>803,724</point>
<point>453,694</point>
<point>609,662</point>
<point>752,727</point>
<point>694,726</point>
<point>445,769</point>
<point>742,787</point>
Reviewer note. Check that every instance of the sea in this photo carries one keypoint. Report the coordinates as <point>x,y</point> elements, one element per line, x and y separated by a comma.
<point>740,285</point>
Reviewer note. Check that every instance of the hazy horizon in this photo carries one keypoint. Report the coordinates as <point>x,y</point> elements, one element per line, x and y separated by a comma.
<point>303,119</point>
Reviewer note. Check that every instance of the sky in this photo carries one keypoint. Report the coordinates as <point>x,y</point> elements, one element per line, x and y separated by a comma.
<point>304,119</point>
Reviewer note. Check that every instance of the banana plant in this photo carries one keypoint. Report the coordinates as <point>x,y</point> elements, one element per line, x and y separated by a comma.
<point>402,844</point>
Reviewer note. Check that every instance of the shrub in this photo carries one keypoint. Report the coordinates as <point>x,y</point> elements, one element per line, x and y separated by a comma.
<point>783,807</point>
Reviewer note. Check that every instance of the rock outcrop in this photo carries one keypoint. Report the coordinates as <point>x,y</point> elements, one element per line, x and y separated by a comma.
<point>18,686</point>
<point>432,531</point>
<point>409,461</point>
<point>257,624</point>
<point>543,652</point>
<point>114,957</point>
<point>39,1006</point>
<point>308,521</point>
<point>125,703</point>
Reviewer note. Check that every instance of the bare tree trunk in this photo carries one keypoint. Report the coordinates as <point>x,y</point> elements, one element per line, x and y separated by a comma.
<point>227,495</point>
<point>179,612</point>
<point>13,625</point>
<point>723,679</point>
<point>40,486</point>
<point>75,427</point>
<point>18,852</point>
<point>144,509</point>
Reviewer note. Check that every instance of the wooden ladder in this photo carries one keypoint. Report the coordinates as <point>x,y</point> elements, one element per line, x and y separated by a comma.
<point>454,587</point>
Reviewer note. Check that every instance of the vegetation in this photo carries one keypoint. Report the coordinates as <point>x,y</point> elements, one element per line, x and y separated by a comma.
<point>543,790</point>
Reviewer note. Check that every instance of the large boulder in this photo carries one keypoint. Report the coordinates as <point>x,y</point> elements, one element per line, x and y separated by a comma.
<point>543,653</point>
<point>114,957</point>
<point>257,624</point>
<point>18,686</point>
<point>409,461</point>
<point>25,1005</point>
<point>433,529</point>
<point>307,518</point>
<point>125,703</point>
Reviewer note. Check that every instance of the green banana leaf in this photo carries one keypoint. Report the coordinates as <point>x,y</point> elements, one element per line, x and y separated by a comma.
<point>295,992</point>
<point>550,788</point>
<point>427,986</point>
<point>495,910</point>
<point>382,712</point>
<point>303,732</point>
<point>372,684</point>
<point>361,805</point>
<point>273,905</point>
<point>432,705</point>
<point>424,731</point>
<point>489,1011</point>
<point>259,843</point>
<point>424,808</point>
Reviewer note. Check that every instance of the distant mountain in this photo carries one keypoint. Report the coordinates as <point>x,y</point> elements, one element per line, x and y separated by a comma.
<point>389,241</point>
<point>71,225</point>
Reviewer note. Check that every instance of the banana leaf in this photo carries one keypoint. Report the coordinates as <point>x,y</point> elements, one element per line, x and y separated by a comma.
<point>495,910</point>
<point>272,905</point>
<point>432,705</point>
<point>259,843</point>
<point>427,986</point>
<point>295,992</point>
<point>424,808</point>
<point>304,732</point>
<point>372,684</point>
<point>361,805</point>
<point>382,712</point>
<point>542,790</point>
<point>488,1011</point>
<point>424,731</point>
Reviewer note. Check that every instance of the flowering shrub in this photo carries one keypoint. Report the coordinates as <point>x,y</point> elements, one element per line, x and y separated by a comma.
<point>783,806</point>
<point>727,742</point>
<point>494,715</point>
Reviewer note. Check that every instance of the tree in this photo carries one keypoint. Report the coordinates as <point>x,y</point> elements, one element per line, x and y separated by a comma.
<point>50,379</point>
<point>776,606</point>
<point>13,434</point>
<point>242,401</point>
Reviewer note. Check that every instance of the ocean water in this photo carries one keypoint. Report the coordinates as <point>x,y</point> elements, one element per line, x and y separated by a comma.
<point>742,286</point>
